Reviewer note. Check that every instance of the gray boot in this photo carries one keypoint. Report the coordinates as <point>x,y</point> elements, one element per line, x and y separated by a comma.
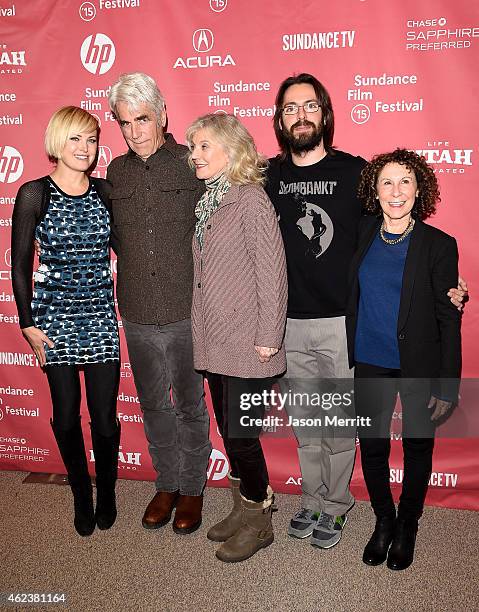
<point>229,525</point>
<point>256,531</point>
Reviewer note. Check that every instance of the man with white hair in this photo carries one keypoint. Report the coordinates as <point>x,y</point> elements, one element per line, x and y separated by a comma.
<point>153,205</point>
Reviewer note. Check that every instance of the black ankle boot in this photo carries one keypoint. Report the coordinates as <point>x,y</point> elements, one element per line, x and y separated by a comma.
<point>376,549</point>
<point>105,449</point>
<point>401,553</point>
<point>72,449</point>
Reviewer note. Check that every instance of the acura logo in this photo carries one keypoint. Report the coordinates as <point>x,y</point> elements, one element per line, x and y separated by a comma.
<point>203,40</point>
<point>104,156</point>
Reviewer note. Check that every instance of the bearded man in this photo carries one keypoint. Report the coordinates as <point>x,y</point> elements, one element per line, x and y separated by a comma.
<point>310,175</point>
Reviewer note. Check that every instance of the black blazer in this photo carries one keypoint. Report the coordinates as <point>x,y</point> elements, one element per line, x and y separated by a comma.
<point>429,325</point>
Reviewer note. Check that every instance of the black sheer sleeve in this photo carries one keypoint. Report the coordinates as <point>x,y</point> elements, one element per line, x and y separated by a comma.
<point>26,215</point>
<point>104,189</point>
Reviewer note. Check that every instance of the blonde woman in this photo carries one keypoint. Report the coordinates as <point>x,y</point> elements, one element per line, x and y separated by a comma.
<point>238,315</point>
<point>69,320</point>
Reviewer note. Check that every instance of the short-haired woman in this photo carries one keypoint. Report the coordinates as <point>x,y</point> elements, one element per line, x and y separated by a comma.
<point>238,315</point>
<point>403,336</point>
<point>70,319</point>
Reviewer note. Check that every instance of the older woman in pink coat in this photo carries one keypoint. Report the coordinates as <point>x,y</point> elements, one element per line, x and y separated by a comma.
<point>238,315</point>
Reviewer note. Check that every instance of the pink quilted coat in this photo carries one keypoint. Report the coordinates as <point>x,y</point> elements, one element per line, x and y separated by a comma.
<point>240,288</point>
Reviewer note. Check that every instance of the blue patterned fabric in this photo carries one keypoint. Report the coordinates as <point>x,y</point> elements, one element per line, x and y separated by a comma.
<point>73,289</point>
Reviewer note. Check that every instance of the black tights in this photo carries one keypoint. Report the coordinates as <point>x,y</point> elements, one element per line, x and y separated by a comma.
<point>242,444</point>
<point>101,384</point>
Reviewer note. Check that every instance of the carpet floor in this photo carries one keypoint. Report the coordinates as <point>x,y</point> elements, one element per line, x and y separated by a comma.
<point>131,568</point>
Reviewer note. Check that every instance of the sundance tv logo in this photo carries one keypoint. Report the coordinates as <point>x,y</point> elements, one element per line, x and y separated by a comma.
<point>11,164</point>
<point>203,41</point>
<point>97,53</point>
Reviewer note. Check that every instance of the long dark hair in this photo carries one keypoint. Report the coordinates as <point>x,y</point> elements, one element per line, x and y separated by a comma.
<point>326,107</point>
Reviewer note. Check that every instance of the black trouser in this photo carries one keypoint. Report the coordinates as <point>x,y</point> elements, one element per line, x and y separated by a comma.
<point>101,384</point>
<point>376,390</point>
<point>241,442</point>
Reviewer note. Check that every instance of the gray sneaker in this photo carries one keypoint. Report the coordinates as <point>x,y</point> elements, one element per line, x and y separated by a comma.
<point>328,530</point>
<point>303,523</point>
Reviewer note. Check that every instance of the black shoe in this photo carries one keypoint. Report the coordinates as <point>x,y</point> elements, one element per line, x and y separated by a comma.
<point>72,449</point>
<point>84,520</point>
<point>105,449</point>
<point>401,553</point>
<point>376,549</point>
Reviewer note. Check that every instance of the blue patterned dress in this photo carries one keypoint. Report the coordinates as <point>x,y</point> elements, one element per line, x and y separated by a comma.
<point>73,287</point>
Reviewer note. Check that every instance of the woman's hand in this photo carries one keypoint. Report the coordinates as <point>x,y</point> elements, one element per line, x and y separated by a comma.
<point>37,247</point>
<point>460,295</point>
<point>265,353</point>
<point>441,407</point>
<point>37,339</point>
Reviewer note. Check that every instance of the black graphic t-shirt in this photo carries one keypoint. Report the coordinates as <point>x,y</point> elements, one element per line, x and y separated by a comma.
<point>318,214</point>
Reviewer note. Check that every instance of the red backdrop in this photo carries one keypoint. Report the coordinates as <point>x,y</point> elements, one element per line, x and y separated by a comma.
<point>400,73</point>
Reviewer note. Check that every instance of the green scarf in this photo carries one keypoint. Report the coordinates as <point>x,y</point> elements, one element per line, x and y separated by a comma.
<point>216,187</point>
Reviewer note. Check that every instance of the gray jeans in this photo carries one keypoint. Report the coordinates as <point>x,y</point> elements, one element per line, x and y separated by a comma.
<point>161,359</point>
<point>316,349</point>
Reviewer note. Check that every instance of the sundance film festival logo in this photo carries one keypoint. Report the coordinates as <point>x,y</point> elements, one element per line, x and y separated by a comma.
<point>218,465</point>
<point>11,164</point>
<point>87,11</point>
<point>97,53</point>
<point>202,42</point>
<point>218,6</point>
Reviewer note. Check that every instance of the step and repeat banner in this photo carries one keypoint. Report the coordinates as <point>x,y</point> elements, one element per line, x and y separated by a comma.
<point>400,73</point>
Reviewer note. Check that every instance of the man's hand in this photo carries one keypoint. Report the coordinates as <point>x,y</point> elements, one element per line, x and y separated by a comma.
<point>37,340</point>
<point>439,407</point>
<point>460,295</point>
<point>265,353</point>
<point>37,247</point>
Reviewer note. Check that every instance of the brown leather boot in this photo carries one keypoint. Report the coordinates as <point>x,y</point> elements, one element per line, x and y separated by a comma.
<point>158,511</point>
<point>188,514</point>
<point>256,531</point>
<point>229,525</point>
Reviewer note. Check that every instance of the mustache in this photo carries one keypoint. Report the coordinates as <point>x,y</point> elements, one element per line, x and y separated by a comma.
<point>302,123</point>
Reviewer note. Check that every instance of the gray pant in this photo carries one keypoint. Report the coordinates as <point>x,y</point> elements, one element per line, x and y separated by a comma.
<point>317,349</point>
<point>161,358</point>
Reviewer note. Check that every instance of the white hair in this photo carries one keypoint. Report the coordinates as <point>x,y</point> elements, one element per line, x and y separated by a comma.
<point>136,88</point>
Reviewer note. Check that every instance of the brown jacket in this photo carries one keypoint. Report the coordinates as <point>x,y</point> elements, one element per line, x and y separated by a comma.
<point>240,288</point>
<point>153,206</point>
